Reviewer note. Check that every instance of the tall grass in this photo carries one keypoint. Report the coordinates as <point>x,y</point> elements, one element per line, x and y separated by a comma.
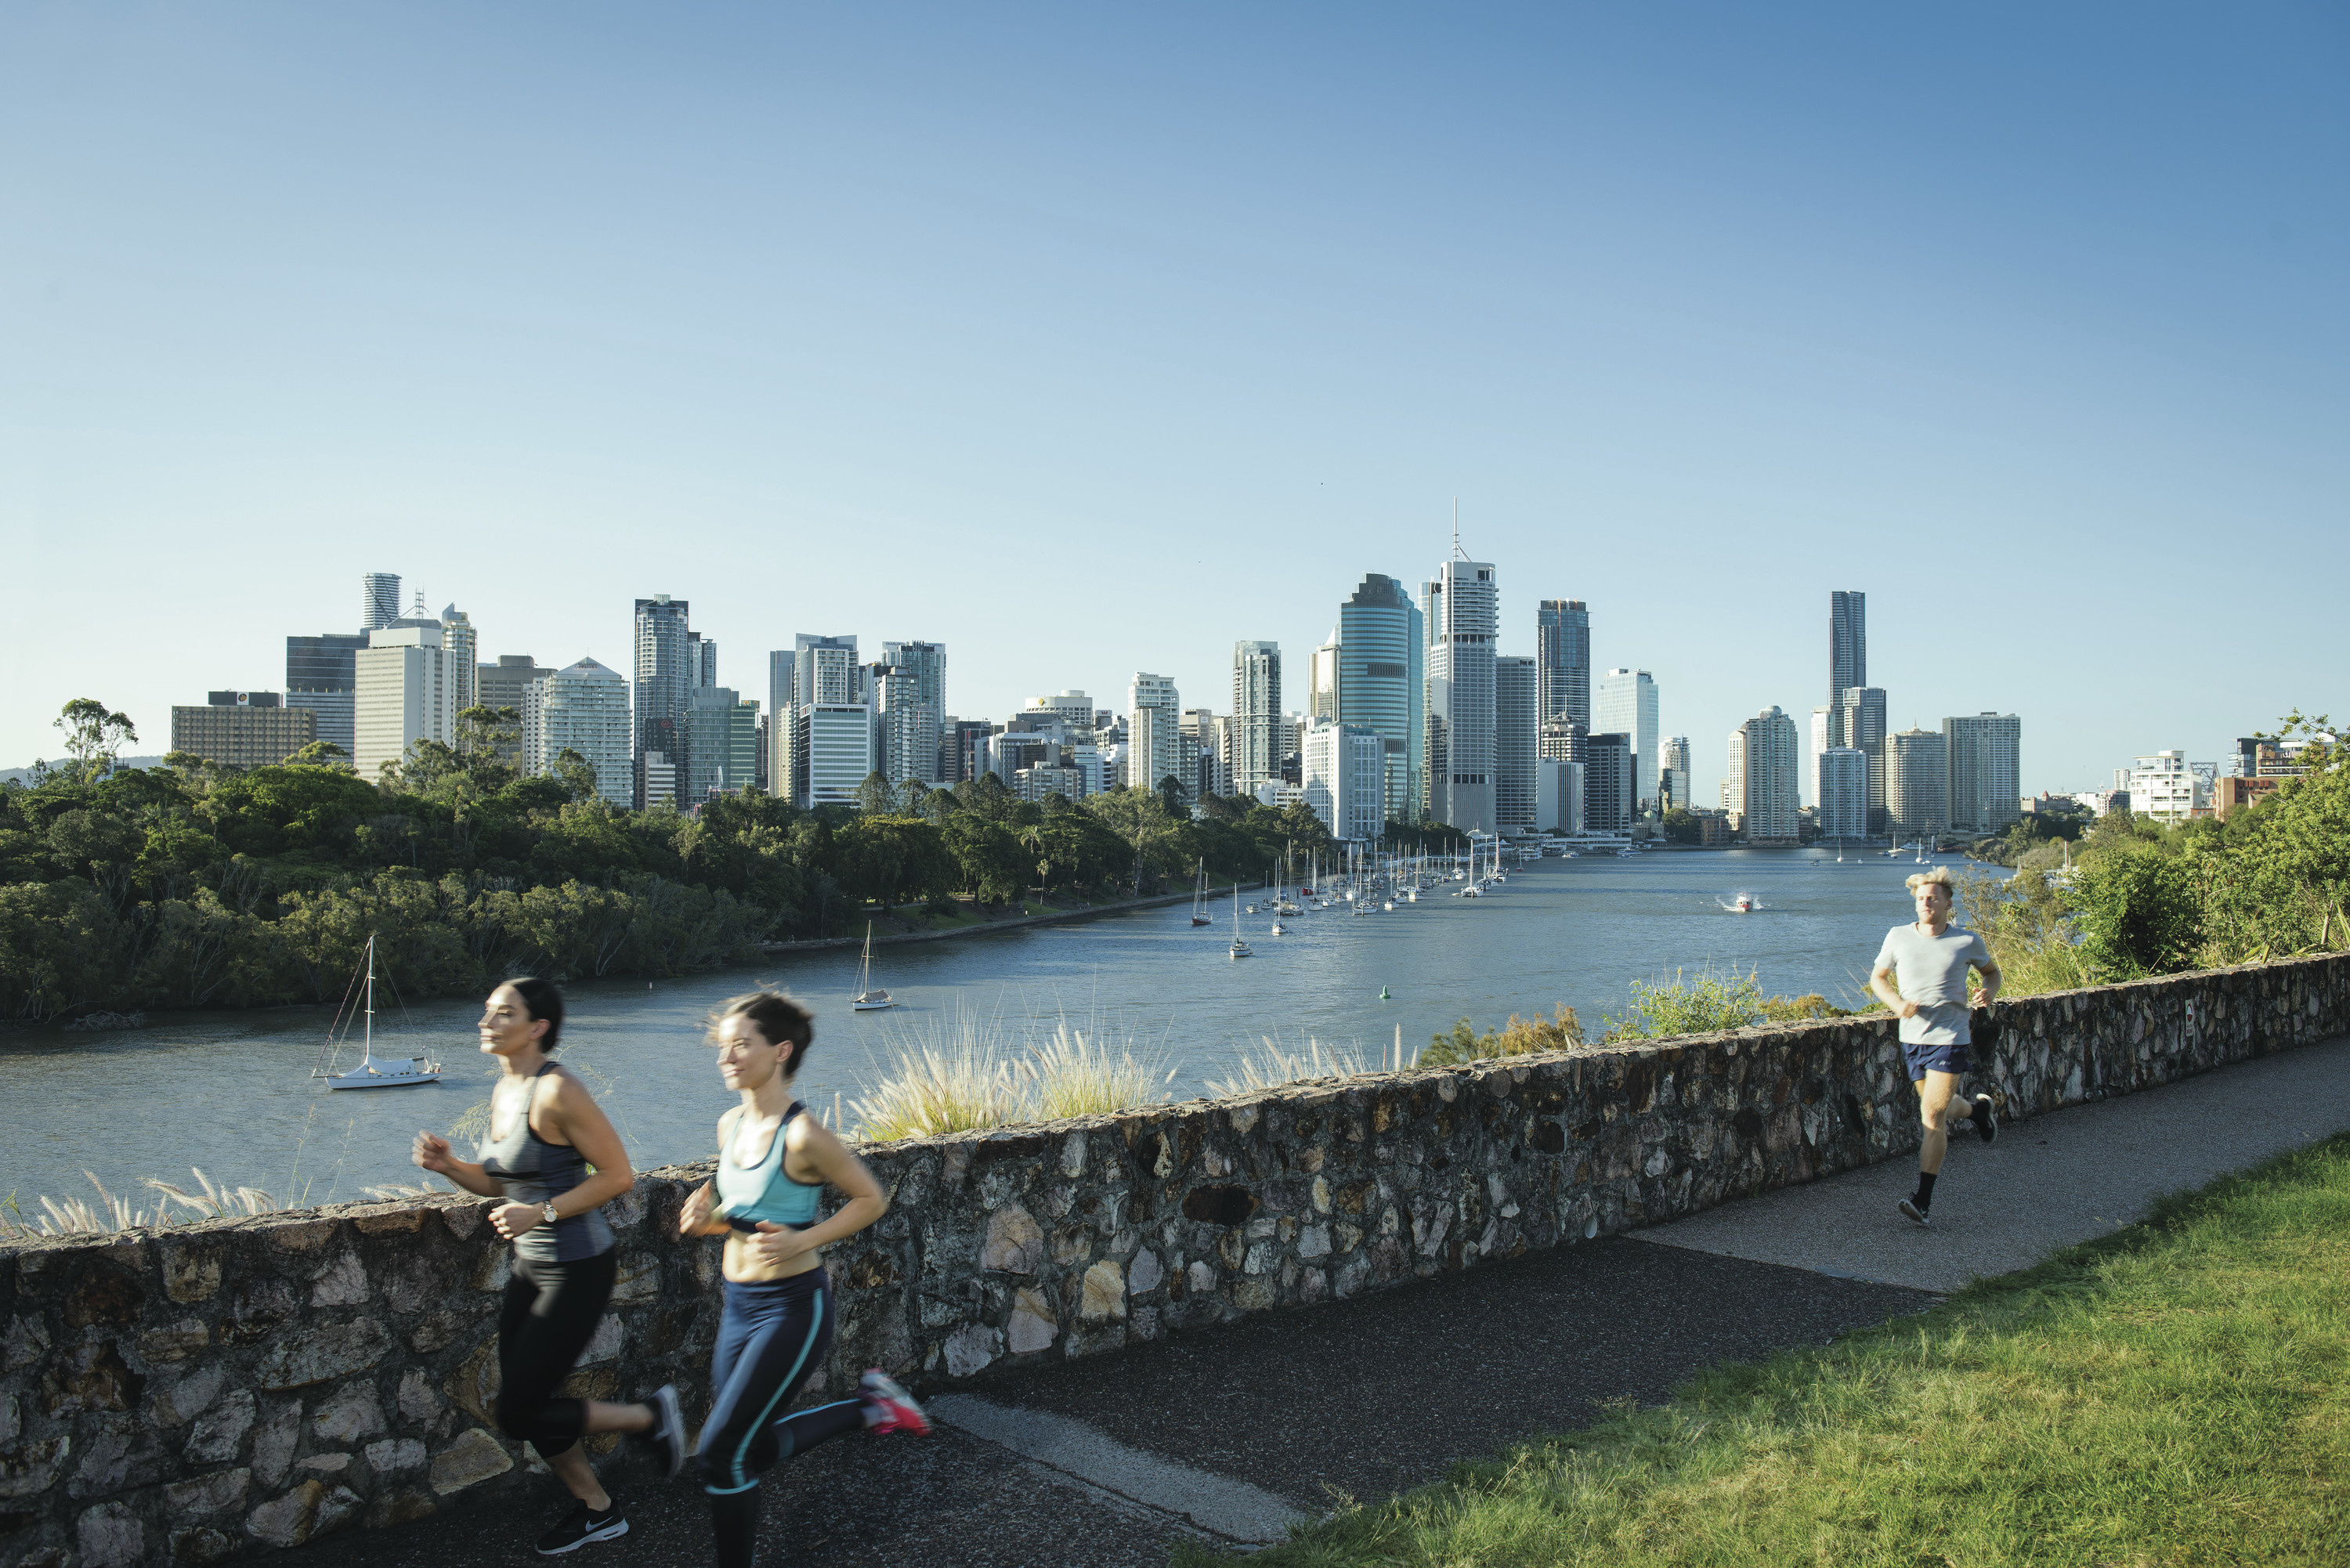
<point>1269,1065</point>
<point>972,1071</point>
<point>80,1216</point>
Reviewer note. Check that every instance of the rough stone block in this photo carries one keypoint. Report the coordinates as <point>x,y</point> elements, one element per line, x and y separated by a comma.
<point>1105,1293</point>
<point>1032,1325</point>
<point>1015,1243</point>
<point>110,1536</point>
<point>192,1273</point>
<point>342,1283</point>
<point>214,1493</point>
<point>220,1434</point>
<point>273,1444</point>
<point>325,1350</point>
<point>349,1414</point>
<point>972,1347</point>
<point>472,1459</point>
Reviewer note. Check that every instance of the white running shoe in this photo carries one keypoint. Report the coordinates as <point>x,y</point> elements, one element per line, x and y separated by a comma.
<point>898,1411</point>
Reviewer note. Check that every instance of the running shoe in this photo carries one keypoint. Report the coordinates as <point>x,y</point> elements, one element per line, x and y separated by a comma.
<point>579,1527</point>
<point>1911,1210</point>
<point>668,1437</point>
<point>1986,1121</point>
<point>897,1410</point>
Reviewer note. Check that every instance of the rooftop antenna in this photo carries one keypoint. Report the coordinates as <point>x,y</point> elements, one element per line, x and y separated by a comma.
<point>1458,553</point>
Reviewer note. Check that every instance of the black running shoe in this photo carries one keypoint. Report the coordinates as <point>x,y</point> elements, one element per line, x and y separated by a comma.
<point>668,1437</point>
<point>579,1527</point>
<point>1986,1121</point>
<point>1911,1210</point>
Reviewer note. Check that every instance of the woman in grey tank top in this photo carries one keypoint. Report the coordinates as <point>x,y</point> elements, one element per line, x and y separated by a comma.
<point>554,1159</point>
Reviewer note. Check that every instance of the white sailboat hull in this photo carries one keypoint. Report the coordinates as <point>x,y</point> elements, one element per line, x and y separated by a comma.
<point>368,1075</point>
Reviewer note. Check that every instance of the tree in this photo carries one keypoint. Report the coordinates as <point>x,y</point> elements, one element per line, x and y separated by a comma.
<point>877,796</point>
<point>317,754</point>
<point>93,736</point>
<point>1175,798</point>
<point>494,730</point>
<point>576,773</point>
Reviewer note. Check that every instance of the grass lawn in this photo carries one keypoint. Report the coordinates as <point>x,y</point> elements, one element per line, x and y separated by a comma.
<point>2172,1394</point>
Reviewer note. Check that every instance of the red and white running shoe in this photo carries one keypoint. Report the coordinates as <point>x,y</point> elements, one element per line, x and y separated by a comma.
<point>897,1410</point>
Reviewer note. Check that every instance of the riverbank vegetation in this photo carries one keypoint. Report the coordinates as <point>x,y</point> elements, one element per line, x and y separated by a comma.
<point>2172,1394</point>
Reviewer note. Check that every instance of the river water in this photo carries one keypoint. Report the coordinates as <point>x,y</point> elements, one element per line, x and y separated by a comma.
<point>230,1092</point>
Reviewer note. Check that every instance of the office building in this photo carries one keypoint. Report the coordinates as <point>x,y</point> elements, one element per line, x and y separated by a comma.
<point>1558,796</point>
<point>243,729</point>
<point>701,659</point>
<point>404,690</point>
<point>1847,646</point>
<point>656,782</point>
<point>1765,754</point>
<point>1673,774</point>
<point>378,600</point>
<point>1258,743</point>
<point>1382,650</point>
<point>1918,784</point>
<point>963,749</point>
<point>320,676</point>
<point>1563,650</point>
<point>1344,769</point>
<point>1984,750</point>
<point>1155,731</point>
<point>722,745</point>
<point>1625,702</point>
<point>1819,740</point>
<point>1562,740</point>
<point>1859,722</point>
<point>825,671</point>
<point>1204,742</point>
<point>1074,709</point>
<point>832,751</point>
<point>913,710</point>
<point>1460,606</point>
<point>1517,743</point>
<point>584,708</point>
<point>1322,691</point>
<point>457,628</point>
<point>1608,799</point>
<point>666,670</point>
<point>2164,787</point>
<point>505,683</point>
<point>1840,786</point>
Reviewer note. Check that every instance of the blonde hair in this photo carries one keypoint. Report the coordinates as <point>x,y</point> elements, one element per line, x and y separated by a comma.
<point>1940,875</point>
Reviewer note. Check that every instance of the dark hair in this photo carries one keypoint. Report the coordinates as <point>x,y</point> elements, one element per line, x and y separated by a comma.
<point>541,1000</point>
<point>779,1020</point>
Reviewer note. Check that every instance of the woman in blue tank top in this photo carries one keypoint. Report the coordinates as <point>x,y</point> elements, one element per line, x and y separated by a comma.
<point>773,1161</point>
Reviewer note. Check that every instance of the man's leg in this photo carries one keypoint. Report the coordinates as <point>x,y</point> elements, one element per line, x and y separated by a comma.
<point>1935,1092</point>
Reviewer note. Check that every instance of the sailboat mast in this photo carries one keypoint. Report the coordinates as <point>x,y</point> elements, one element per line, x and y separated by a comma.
<point>367,1045</point>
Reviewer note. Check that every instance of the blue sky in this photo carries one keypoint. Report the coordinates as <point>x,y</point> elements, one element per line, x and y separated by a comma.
<point>1088,339</point>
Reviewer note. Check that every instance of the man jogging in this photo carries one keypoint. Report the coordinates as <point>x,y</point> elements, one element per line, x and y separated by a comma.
<point>1921,974</point>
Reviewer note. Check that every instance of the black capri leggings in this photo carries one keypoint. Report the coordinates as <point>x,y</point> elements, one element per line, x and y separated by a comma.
<point>549,1314</point>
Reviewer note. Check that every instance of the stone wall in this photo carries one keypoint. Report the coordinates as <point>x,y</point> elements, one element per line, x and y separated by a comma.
<point>206,1392</point>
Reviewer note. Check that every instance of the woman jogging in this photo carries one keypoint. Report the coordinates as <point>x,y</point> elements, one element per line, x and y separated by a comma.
<point>545,1132</point>
<point>772,1161</point>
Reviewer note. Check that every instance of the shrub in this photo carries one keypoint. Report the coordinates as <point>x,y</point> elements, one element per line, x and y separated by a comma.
<point>2140,912</point>
<point>1518,1037</point>
<point>1705,1005</point>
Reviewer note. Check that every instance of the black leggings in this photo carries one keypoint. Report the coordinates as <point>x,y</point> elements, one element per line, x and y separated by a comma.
<point>770,1337</point>
<point>549,1314</point>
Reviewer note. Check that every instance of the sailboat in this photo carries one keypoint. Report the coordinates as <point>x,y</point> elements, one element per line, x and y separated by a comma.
<point>1240,948</point>
<point>867,999</point>
<point>1199,895</point>
<point>387,1073</point>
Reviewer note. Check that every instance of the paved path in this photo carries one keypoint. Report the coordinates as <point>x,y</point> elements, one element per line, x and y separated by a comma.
<point>1227,1433</point>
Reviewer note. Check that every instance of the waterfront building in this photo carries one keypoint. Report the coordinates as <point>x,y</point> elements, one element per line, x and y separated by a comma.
<point>1382,654</point>
<point>1563,650</point>
<point>1821,739</point>
<point>584,708</point>
<point>1562,740</point>
<point>2163,787</point>
<point>913,709</point>
<point>1847,646</point>
<point>1626,703</point>
<point>1840,786</point>
<point>457,627</point>
<point>1984,750</point>
<point>832,749</point>
<point>663,677</point>
<point>1461,606</point>
<point>1258,743</point>
<point>721,753</point>
<point>1918,784</point>
<point>404,690</point>
<point>321,677</point>
<point>1322,697</point>
<point>656,782</point>
<point>1673,773</point>
<point>1859,722</point>
<point>1764,759</point>
<point>378,600</point>
<point>1343,767</point>
<point>1558,796</point>
<point>1517,743</point>
<point>1155,728</point>
<point>243,729</point>
<point>1609,801</point>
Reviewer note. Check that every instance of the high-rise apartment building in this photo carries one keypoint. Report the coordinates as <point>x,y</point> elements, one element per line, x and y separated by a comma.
<point>1918,784</point>
<point>1840,786</point>
<point>1074,709</point>
<point>1382,650</point>
<point>913,706</point>
<point>1765,756</point>
<point>1859,722</point>
<point>1155,732</point>
<point>1673,773</point>
<point>378,600</point>
<point>1343,767</point>
<point>1983,752</point>
<point>320,676</point>
<point>405,689</point>
<point>2163,787</point>
<point>1257,742</point>
<point>721,735</point>
<point>1558,796</point>
<point>1462,607</point>
<point>701,659</point>
<point>1517,743</point>
<point>583,708</point>
<point>1322,697</point>
<point>1626,703</point>
<point>1847,647</point>
<point>1563,650</point>
<point>832,748</point>
<point>243,729</point>
<point>824,673</point>
<point>1608,792</point>
<point>504,683</point>
<point>666,670</point>
<point>1203,735</point>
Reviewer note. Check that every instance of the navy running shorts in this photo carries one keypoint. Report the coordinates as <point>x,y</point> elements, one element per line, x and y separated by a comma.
<point>1943,1056</point>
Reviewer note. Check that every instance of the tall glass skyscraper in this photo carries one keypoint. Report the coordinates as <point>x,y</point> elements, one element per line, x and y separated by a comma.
<point>1516,730</point>
<point>1563,661</point>
<point>913,707</point>
<point>1382,644</point>
<point>1848,648</point>
<point>319,675</point>
<point>378,600</point>
<point>1461,604</point>
<point>1258,748</point>
<point>667,670</point>
<point>1627,703</point>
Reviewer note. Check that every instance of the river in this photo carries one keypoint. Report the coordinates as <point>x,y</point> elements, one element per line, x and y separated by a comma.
<point>231,1092</point>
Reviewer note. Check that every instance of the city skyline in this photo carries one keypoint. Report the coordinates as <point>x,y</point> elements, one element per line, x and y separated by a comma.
<point>1683,315</point>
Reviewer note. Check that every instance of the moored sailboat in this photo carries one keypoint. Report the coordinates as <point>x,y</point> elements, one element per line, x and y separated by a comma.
<point>868,998</point>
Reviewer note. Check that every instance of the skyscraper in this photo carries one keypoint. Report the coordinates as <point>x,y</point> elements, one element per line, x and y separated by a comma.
<point>1673,773</point>
<point>506,684</point>
<point>1840,786</point>
<point>664,676</point>
<point>1339,769</point>
<point>824,675</point>
<point>1563,651</point>
<point>1322,697</point>
<point>1847,646</point>
<point>1982,750</point>
<point>1461,604</point>
<point>584,708</point>
<point>1258,743</point>
<point>913,707</point>
<point>780,698</point>
<point>465,650</point>
<point>1859,722</point>
<point>404,690</point>
<point>1607,787</point>
<point>1918,784</point>
<point>378,599</point>
<point>1154,732</point>
<point>319,676</point>
<point>1515,737</point>
<point>1764,758</point>
<point>1626,703</point>
<point>1382,646</point>
<point>721,743</point>
<point>701,659</point>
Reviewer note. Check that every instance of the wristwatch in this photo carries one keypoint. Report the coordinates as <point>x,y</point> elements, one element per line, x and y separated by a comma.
<point>548,1209</point>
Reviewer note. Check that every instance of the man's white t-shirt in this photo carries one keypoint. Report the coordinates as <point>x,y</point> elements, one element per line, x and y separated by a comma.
<point>1931,971</point>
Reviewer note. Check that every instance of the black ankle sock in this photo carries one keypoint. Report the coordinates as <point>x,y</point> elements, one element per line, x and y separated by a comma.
<point>1924,1196</point>
<point>1981,1109</point>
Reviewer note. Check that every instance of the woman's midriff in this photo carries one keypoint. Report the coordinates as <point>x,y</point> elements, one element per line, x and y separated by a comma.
<point>742,1265</point>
